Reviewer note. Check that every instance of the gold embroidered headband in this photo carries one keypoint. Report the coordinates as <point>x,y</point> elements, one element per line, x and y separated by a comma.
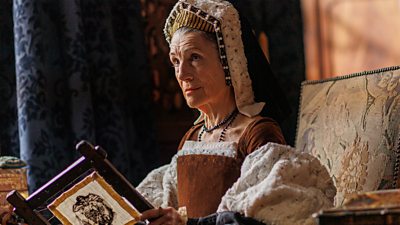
<point>189,19</point>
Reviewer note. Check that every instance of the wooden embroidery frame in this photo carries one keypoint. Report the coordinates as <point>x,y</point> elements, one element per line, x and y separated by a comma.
<point>93,158</point>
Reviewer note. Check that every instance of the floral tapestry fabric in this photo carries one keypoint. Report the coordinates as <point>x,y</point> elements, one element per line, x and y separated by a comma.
<point>80,73</point>
<point>351,124</point>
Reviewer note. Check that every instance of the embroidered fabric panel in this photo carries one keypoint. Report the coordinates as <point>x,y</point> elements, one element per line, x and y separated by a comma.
<point>228,149</point>
<point>93,201</point>
<point>351,124</point>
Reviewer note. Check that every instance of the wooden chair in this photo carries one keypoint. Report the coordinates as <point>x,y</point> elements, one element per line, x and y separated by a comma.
<point>93,158</point>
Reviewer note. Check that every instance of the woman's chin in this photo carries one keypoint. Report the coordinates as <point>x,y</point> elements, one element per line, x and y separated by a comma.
<point>192,103</point>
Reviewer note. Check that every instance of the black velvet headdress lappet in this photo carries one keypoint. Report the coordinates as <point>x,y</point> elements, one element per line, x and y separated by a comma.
<point>257,91</point>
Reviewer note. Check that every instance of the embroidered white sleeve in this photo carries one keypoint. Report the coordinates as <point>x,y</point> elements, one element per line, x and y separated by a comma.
<point>160,186</point>
<point>280,185</point>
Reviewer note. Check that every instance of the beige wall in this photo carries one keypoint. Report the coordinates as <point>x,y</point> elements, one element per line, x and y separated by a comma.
<point>347,36</point>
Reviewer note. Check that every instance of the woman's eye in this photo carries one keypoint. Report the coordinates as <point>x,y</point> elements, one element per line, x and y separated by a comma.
<point>195,57</point>
<point>175,62</point>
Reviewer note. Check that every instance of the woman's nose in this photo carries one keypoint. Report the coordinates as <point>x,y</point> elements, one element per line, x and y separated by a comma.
<point>183,71</point>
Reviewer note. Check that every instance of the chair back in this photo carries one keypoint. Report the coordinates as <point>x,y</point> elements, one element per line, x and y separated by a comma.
<point>351,124</point>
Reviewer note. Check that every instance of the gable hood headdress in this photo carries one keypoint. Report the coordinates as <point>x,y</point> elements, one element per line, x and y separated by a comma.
<point>246,68</point>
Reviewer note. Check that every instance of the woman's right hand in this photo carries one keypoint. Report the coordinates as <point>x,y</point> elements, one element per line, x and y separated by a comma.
<point>162,216</point>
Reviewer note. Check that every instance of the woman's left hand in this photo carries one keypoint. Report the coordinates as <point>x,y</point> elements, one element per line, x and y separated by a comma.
<point>162,216</point>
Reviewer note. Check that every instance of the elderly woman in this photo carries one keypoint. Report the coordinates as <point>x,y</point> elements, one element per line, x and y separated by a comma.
<point>223,73</point>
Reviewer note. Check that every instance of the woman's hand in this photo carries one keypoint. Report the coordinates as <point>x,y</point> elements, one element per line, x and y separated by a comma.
<point>162,216</point>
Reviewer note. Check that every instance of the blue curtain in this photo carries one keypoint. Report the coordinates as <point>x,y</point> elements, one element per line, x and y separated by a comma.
<point>80,73</point>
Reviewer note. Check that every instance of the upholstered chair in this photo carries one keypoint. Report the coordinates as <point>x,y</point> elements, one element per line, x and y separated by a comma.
<point>351,123</point>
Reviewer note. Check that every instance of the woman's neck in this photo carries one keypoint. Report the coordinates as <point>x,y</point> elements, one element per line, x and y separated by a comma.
<point>215,113</point>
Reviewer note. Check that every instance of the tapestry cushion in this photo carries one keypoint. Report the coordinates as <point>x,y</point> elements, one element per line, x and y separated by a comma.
<point>351,124</point>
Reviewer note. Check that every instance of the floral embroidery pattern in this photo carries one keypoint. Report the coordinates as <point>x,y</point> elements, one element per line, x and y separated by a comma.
<point>350,124</point>
<point>353,172</point>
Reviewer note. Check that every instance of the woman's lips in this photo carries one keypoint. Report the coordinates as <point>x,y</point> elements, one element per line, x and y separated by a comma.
<point>190,90</point>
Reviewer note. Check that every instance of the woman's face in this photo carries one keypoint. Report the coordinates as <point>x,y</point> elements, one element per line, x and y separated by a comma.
<point>198,69</point>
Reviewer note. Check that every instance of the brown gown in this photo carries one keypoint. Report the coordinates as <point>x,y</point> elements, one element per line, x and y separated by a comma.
<point>204,178</point>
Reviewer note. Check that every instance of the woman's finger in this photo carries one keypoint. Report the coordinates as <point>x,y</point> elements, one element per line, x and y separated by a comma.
<point>163,219</point>
<point>151,214</point>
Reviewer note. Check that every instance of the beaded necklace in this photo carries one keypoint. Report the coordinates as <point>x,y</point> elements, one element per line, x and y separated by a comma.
<point>228,121</point>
